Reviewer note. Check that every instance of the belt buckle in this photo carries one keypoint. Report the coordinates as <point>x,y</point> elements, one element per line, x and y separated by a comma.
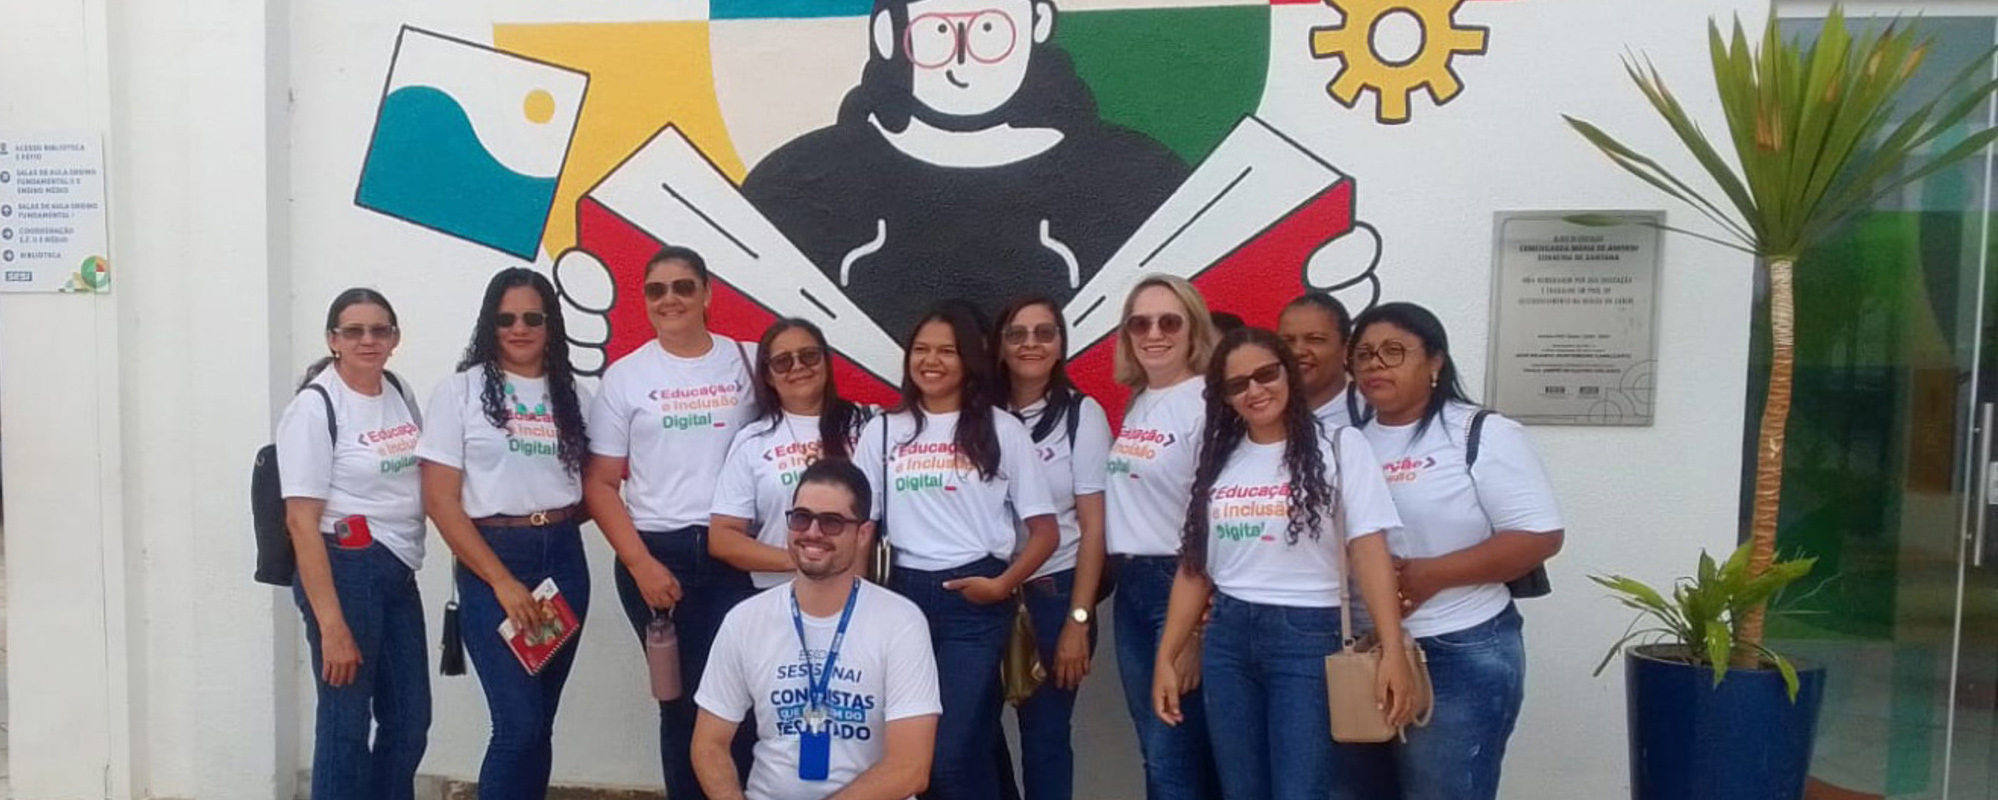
<point>538,518</point>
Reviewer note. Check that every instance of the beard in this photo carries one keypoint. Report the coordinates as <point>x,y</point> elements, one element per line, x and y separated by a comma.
<point>838,564</point>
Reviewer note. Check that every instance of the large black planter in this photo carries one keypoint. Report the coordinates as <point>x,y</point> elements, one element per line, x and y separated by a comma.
<point>1742,740</point>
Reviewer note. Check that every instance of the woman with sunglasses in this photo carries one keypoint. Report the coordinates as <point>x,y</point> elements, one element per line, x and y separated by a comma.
<point>502,479</point>
<point>952,473</point>
<point>1072,438</point>
<point>1473,522</point>
<point>1165,343</point>
<point>1263,542</point>
<point>667,413</point>
<point>803,420</point>
<point>346,449</point>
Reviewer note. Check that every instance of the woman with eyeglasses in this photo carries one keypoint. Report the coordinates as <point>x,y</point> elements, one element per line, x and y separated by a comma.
<point>951,474</point>
<point>1166,340</point>
<point>803,419</point>
<point>1478,511</point>
<point>346,450</point>
<point>1072,438</point>
<point>502,479</point>
<point>1315,327</point>
<point>1264,543</point>
<point>666,413</point>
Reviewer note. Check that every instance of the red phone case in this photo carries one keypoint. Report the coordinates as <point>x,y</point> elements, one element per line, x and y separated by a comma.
<point>353,532</point>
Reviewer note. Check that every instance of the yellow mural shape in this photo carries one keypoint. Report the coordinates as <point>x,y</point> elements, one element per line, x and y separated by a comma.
<point>642,76</point>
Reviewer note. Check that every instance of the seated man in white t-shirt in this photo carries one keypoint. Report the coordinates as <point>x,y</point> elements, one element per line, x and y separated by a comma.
<point>863,729</point>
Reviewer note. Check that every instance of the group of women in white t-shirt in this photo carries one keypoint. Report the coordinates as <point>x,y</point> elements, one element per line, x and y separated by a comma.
<point>1213,515</point>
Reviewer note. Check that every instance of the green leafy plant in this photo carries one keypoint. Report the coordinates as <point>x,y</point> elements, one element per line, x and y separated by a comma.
<point>1706,612</point>
<point>1816,136</point>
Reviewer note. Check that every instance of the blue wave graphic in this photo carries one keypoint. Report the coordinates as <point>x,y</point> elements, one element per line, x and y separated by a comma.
<point>427,166</point>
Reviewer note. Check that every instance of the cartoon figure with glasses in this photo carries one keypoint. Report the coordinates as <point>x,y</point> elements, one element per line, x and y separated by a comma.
<point>969,162</point>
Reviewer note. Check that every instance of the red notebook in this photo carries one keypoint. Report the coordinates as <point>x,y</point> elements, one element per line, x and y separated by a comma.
<point>534,647</point>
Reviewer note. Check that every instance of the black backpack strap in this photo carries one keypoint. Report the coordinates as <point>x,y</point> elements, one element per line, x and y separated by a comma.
<point>1471,439</point>
<point>415,414</point>
<point>332,425</point>
<point>1074,416</point>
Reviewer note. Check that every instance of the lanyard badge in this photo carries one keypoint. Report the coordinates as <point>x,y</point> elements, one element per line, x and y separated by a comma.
<point>815,740</point>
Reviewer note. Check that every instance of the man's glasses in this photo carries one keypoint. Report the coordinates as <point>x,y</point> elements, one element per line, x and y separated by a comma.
<point>1266,375</point>
<point>354,333</point>
<point>1044,333</point>
<point>1141,325</point>
<point>808,358</point>
<point>534,319</point>
<point>684,287</point>
<point>1389,355</point>
<point>800,520</point>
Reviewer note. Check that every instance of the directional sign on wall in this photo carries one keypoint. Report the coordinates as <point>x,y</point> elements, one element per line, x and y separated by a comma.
<point>52,234</point>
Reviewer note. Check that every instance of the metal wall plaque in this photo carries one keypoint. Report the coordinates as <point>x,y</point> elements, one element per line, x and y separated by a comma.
<point>1574,307</point>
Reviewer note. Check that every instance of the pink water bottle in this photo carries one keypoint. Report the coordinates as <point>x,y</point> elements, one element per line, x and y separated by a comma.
<point>662,656</point>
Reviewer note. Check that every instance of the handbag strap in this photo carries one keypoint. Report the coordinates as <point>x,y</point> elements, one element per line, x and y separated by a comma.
<point>881,530</point>
<point>1346,632</point>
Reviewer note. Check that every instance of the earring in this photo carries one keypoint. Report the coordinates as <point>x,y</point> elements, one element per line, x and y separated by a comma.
<point>1432,381</point>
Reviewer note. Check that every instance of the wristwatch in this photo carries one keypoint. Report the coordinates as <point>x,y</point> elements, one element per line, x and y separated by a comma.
<point>1080,615</point>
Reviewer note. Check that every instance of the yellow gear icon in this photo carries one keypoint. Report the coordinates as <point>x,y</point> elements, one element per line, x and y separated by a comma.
<point>1363,68</point>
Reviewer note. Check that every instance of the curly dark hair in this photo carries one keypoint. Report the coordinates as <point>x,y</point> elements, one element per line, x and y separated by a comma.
<point>976,437</point>
<point>1225,429</point>
<point>572,447</point>
<point>838,416</point>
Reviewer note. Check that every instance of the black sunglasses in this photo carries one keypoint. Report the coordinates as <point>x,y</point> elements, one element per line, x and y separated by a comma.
<point>807,357</point>
<point>1266,375</point>
<point>1044,333</point>
<point>534,319</point>
<point>800,520</point>
<point>684,287</point>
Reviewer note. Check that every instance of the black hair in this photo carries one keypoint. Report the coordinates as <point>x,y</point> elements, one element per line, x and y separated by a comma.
<point>1051,95</point>
<point>843,474</point>
<point>1312,497</point>
<point>1225,322</point>
<point>1324,301</point>
<point>572,445</point>
<point>674,252</point>
<point>357,296</point>
<point>837,415</point>
<point>1435,342</point>
<point>976,437</point>
<point>1061,391</point>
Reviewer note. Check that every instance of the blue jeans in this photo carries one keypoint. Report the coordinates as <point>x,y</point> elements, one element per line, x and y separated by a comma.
<point>520,754</point>
<point>709,588</point>
<point>1047,758</point>
<point>1264,671</point>
<point>969,641</point>
<point>1179,764</point>
<point>1480,678</point>
<point>391,689</point>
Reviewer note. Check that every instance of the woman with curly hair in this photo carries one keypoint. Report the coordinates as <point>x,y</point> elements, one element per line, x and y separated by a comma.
<point>1262,542</point>
<point>502,478</point>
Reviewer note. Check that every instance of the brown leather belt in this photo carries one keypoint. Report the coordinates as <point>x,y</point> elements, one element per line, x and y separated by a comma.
<point>534,520</point>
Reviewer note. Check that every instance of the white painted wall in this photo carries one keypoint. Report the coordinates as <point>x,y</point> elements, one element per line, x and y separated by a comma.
<point>143,662</point>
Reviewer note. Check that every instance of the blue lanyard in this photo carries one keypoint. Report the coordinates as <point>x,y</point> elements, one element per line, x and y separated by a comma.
<point>818,690</point>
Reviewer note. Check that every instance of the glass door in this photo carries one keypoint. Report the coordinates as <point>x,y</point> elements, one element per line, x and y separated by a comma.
<point>1887,463</point>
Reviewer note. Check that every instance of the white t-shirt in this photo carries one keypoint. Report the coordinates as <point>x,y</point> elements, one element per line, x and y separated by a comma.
<point>1150,474</point>
<point>1249,555</point>
<point>673,419</point>
<point>512,471</point>
<point>1072,469</point>
<point>1444,511</point>
<point>1334,412</point>
<point>369,470</point>
<point>761,474</point>
<point>886,671</point>
<point>943,514</point>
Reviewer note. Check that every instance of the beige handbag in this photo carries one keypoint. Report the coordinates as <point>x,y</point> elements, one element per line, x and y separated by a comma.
<point>1350,673</point>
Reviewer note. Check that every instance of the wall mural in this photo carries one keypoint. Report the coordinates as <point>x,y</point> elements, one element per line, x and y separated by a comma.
<point>853,161</point>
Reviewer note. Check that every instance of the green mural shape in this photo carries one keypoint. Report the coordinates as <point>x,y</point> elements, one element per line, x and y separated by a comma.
<point>1181,76</point>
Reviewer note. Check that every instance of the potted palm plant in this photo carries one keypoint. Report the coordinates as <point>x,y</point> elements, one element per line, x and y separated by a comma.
<point>1816,133</point>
